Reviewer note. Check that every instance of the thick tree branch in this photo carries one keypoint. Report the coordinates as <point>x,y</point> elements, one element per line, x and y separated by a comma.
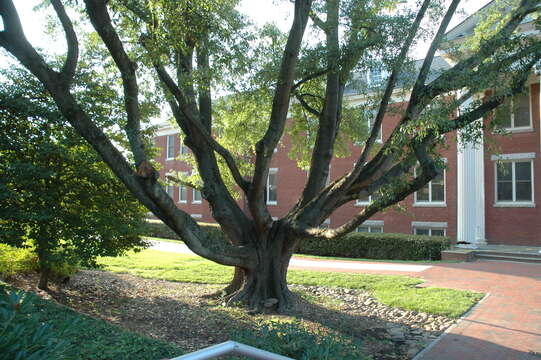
<point>309,77</point>
<point>100,19</point>
<point>305,105</point>
<point>330,198</point>
<point>280,107</point>
<point>68,70</point>
<point>190,124</point>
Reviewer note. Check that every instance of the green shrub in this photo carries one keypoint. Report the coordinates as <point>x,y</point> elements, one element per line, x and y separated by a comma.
<point>23,335</point>
<point>378,246</point>
<point>17,260</point>
<point>155,228</point>
<point>291,339</point>
<point>384,246</point>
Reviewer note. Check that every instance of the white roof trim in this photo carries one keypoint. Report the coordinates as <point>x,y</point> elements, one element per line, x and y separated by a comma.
<point>518,156</point>
<point>373,223</point>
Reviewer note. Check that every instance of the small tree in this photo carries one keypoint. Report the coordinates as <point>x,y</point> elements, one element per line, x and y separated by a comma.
<point>195,47</point>
<point>55,192</point>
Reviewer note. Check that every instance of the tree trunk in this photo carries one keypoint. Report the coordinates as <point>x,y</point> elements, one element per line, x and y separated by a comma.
<point>43,283</point>
<point>266,285</point>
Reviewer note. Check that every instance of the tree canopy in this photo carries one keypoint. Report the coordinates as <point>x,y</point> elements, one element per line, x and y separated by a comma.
<point>57,196</point>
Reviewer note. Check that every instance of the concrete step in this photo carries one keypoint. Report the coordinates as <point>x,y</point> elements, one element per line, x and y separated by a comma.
<point>532,255</point>
<point>501,256</point>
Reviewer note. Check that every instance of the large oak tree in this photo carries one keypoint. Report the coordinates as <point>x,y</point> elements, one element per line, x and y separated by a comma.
<point>193,48</point>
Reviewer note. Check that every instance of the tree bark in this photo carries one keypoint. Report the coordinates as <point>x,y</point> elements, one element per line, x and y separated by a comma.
<point>265,286</point>
<point>44,273</point>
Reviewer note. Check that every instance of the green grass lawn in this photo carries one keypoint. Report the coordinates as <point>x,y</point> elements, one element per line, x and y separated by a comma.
<point>86,338</point>
<point>398,291</point>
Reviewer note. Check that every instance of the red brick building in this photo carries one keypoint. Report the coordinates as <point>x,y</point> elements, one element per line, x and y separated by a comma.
<point>487,193</point>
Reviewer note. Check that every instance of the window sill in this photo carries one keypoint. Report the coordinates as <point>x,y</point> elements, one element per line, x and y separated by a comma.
<point>272,203</point>
<point>361,204</point>
<point>430,204</point>
<point>514,205</point>
<point>183,202</point>
<point>515,130</point>
<point>196,202</point>
<point>169,159</point>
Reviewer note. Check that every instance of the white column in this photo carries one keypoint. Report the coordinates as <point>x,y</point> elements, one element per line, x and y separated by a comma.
<point>471,192</point>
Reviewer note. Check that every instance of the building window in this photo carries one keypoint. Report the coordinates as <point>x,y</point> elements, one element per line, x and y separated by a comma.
<point>428,231</point>
<point>183,148</point>
<point>170,147</point>
<point>196,197</point>
<point>325,224</point>
<point>432,193</point>
<point>515,113</point>
<point>182,194</point>
<point>370,228</point>
<point>196,216</point>
<point>429,228</point>
<point>363,200</point>
<point>514,182</point>
<point>169,189</point>
<point>271,195</point>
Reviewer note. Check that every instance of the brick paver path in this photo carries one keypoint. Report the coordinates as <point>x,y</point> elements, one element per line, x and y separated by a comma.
<point>506,325</point>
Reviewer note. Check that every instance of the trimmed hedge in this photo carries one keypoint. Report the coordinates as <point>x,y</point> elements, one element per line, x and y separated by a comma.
<point>156,228</point>
<point>382,246</point>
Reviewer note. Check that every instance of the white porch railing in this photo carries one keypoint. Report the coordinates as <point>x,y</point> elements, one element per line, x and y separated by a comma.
<point>231,348</point>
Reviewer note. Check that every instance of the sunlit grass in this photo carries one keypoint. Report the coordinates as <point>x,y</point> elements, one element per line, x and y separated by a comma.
<point>397,291</point>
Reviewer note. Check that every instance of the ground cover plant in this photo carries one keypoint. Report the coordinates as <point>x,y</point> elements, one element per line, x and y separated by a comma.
<point>47,330</point>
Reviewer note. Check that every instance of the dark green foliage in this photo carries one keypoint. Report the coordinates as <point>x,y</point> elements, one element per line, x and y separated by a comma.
<point>82,337</point>
<point>159,230</point>
<point>56,195</point>
<point>378,246</point>
<point>23,334</point>
<point>385,246</point>
<point>293,340</point>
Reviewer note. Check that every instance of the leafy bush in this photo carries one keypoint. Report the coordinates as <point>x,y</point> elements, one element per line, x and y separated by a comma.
<point>378,246</point>
<point>46,330</point>
<point>17,260</point>
<point>385,246</point>
<point>23,335</point>
<point>293,340</point>
<point>155,228</point>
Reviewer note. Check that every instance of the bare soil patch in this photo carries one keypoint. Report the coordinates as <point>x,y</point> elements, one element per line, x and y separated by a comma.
<point>182,313</point>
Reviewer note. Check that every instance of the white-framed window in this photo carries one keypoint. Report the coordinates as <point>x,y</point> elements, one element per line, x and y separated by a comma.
<point>372,226</point>
<point>432,193</point>
<point>325,224</point>
<point>429,228</point>
<point>514,182</point>
<point>429,231</point>
<point>271,193</point>
<point>376,76</point>
<point>169,189</point>
<point>183,148</point>
<point>170,148</point>
<point>363,200</point>
<point>196,216</point>
<point>196,196</point>
<point>516,113</point>
<point>182,194</point>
